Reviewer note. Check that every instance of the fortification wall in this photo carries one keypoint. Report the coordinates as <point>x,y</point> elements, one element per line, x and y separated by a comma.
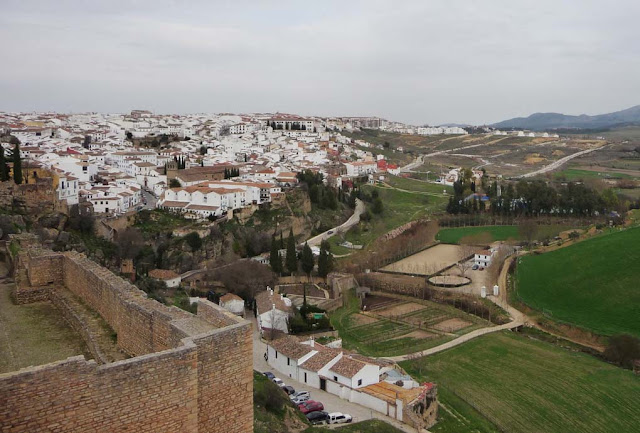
<point>190,373</point>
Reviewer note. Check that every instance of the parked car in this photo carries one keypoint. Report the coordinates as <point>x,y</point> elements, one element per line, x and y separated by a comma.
<point>278,381</point>
<point>318,417</point>
<point>288,389</point>
<point>330,232</point>
<point>300,394</point>
<point>299,400</point>
<point>474,267</point>
<point>269,375</point>
<point>310,406</point>
<point>339,418</point>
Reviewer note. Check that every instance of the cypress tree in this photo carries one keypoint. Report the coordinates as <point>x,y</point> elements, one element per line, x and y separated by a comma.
<point>307,259</point>
<point>17,165</point>
<point>274,257</point>
<point>4,169</point>
<point>292,258</point>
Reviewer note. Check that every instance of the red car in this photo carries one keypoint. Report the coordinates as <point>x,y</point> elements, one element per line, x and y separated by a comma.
<point>310,406</point>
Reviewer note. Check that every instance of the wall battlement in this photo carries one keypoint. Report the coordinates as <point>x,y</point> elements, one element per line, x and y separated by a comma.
<point>188,373</point>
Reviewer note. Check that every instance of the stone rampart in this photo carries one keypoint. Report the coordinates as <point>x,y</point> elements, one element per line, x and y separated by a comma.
<point>188,373</point>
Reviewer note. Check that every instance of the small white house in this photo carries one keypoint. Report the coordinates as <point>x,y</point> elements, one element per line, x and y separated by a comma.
<point>232,303</point>
<point>170,278</point>
<point>273,311</point>
<point>483,258</point>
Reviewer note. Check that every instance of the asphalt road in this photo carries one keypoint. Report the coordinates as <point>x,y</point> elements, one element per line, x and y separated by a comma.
<point>343,228</point>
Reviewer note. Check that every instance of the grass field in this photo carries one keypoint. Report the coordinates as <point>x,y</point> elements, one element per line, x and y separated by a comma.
<point>573,174</point>
<point>523,385</point>
<point>593,284</point>
<point>488,234</point>
<point>33,334</point>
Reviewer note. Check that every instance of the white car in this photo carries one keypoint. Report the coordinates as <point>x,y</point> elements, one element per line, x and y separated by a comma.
<point>300,399</point>
<point>339,418</point>
<point>278,381</point>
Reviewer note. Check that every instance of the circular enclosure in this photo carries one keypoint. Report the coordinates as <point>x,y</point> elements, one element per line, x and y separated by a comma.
<point>449,281</point>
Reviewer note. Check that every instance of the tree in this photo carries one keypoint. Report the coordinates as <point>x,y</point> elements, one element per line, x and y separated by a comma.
<point>378,207</point>
<point>17,165</point>
<point>130,243</point>
<point>528,229</point>
<point>203,150</point>
<point>292,258</point>
<point>4,169</point>
<point>307,260</point>
<point>274,257</point>
<point>623,350</point>
<point>174,183</point>
<point>465,262</point>
<point>325,260</point>
<point>194,241</point>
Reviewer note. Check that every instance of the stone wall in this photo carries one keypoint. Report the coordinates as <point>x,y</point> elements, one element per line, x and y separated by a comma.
<point>188,373</point>
<point>33,199</point>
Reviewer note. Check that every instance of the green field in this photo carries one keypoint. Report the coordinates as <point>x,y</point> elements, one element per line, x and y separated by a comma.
<point>488,234</point>
<point>573,174</point>
<point>593,284</point>
<point>524,385</point>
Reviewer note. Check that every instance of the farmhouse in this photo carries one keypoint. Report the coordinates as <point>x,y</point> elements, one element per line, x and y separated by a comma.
<point>483,258</point>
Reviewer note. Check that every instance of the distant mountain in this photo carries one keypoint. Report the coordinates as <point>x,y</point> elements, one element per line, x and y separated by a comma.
<point>546,121</point>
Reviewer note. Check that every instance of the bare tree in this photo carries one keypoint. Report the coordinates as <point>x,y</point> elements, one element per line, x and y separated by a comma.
<point>499,256</point>
<point>464,261</point>
<point>528,229</point>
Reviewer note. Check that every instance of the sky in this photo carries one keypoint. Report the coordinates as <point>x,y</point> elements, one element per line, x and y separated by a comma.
<point>419,62</point>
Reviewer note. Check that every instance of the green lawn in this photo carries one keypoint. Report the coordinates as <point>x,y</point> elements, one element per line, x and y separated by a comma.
<point>524,385</point>
<point>488,234</point>
<point>593,284</point>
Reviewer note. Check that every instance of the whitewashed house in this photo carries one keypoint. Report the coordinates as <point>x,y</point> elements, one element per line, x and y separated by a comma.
<point>482,258</point>
<point>170,278</point>
<point>232,303</point>
<point>273,311</point>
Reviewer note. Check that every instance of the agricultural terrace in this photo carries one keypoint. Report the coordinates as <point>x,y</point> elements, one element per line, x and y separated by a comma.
<point>390,326</point>
<point>524,385</point>
<point>428,261</point>
<point>592,284</point>
<point>483,235</point>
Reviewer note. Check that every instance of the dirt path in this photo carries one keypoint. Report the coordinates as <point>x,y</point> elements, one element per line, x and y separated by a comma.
<point>559,163</point>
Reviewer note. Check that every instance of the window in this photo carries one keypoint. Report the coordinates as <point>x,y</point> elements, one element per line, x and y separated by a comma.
<point>288,361</point>
<point>359,382</point>
<point>276,354</point>
<point>305,378</point>
<point>335,378</point>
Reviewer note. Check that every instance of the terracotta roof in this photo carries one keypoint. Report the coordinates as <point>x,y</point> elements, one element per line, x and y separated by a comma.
<point>264,302</point>
<point>291,347</point>
<point>347,367</point>
<point>230,297</point>
<point>163,274</point>
<point>173,204</point>
<point>201,207</point>
<point>320,359</point>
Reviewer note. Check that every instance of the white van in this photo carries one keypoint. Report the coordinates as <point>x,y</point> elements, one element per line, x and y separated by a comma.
<point>339,418</point>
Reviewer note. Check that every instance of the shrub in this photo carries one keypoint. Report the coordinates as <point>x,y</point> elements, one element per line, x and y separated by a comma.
<point>623,350</point>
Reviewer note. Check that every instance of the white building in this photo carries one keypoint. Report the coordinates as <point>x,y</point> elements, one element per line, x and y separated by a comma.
<point>232,303</point>
<point>483,258</point>
<point>170,278</point>
<point>273,311</point>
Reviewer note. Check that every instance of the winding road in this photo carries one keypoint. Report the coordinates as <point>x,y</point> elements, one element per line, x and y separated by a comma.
<point>342,228</point>
<point>559,163</point>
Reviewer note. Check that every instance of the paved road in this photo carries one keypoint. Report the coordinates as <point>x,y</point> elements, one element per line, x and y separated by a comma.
<point>150,198</point>
<point>332,403</point>
<point>558,163</point>
<point>343,228</point>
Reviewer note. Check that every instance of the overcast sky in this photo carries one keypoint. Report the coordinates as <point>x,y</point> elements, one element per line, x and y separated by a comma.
<point>421,62</point>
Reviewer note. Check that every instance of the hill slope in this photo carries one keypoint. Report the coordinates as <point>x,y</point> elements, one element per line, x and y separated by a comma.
<point>541,121</point>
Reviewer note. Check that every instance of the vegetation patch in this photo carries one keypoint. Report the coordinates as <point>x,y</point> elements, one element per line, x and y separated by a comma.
<point>524,385</point>
<point>592,284</point>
